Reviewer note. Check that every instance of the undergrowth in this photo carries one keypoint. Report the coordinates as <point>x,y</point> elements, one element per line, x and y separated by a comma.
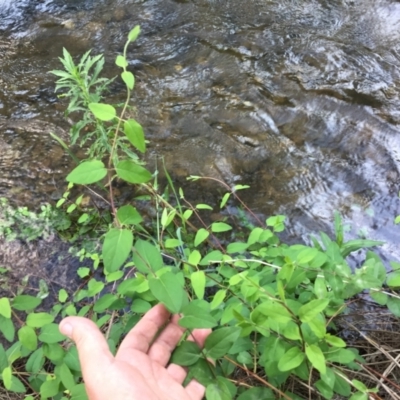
<point>275,309</point>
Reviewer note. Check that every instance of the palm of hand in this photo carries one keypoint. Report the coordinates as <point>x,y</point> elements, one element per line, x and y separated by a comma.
<point>140,368</point>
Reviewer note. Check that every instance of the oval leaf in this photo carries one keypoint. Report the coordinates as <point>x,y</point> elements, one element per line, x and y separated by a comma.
<point>128,78</point>
<point>116,248</point>
<point>198,280</point>
<point>291,359</point>
<point>103,112</point>
<point>132,172</point>
<point>88,172</point>
<point>134,132</point>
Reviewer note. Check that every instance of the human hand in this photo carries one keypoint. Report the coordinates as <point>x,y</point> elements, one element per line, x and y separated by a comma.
<point>140,369</point>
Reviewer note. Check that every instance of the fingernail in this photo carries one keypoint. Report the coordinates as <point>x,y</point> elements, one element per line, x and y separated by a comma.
<point>66,329</point>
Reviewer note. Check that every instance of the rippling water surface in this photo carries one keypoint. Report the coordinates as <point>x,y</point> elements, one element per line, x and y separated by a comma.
<point>299,99</point>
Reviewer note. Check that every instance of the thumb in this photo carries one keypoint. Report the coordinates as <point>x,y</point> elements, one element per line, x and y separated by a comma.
<point>93,350</point>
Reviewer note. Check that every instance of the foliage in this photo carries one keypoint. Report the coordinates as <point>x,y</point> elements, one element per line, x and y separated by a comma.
<point>272,306</point>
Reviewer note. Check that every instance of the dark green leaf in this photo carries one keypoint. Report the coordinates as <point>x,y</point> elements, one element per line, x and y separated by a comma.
<point>7,328</point>
<point>67,379</point>
<point>186,354</point>
<point>196,317</point>
<point>220,341</point>
<point>257,393</point>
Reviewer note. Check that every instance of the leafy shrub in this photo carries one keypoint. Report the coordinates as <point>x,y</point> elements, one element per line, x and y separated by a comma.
<point>272,306</point>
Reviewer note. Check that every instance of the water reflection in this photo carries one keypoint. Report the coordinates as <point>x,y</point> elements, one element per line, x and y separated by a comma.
<point>298,99</point>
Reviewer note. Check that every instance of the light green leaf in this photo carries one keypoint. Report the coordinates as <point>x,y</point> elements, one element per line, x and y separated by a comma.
<point>168,291</point>
<point>128,215</point>
<point>7,328</point>
<point>131,172</point>
<point>201,235</point>
<point>37,320</point>
<point>87,172</point>
<point>316,357</point>
<point>194,257</point>
<point>203,207</point>
<point>186,354</point>
<point>27,336</point>
<point>334,340</point>
<point>5,308</point>
<point>291,359</point>
<point>62,295</point>
<point>49,388</point>
<point>128,79</point>
<point>220,341</point>
<point>224,200</point>
<point>218,299</point>
<point>275,311</point>
<point>393,279</point>
<point>134,33</point>
<point>25,302</point>
<point>116,248</point>
<point>198,280</point>
<point>121,61</point>
<point>134,132</point>
<point>103,112</point>
<point>310,310</point>
<point>6,375</point>
<point>220,227</point>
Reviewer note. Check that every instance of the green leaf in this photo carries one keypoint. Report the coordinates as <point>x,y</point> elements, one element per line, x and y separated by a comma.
<point>87,172</point>
<point>201,235</point>
<point>6,375</point>
<point>359,396</point>
<point>67,379</point>
<point>218,390</point>
<point>316,357</point>
<point>62,295</point>
<point>236,247</point>
<point>379,297</point>
<point>220,341</point>
<point>324,389</point>
<point>49,388</point>
<point>220,227</point>
<point>224,200</point>
<point>291,359</point>
<point>275,311</point>
<point>334,341</point>
<point>203,207</point>
<point>27,336</point>
<point>194,257</point>
<point>16,385</point>
<point>37,320</point>
<point>198,280</point>
<point>357,244</point>
<point>393,279</point>
<point>186,354</point>
<point>5,308</point>
<point>35,361</point>
<point>134,33</point>
<point>257,393</point>
<point>140,306</point>
<point>341,386</point>
<point>128,215</point>
<point>393,305</point>
<point>310,310</point>
<point>51,334</point>
<point>342,356</point>
<point>218,298</point>
<point>134,132</point>
<point>25,302</point>
<point>120,61</point>
<point>168,291</point>
<point>147,257</point>
<point>131,172</point>
<point>104,302</point>
<point>7,328</point>
<point>94,287</point>
<point>196,317</point>
<point>116,248</point>
<point>103,112</point>
<point>128,79</point>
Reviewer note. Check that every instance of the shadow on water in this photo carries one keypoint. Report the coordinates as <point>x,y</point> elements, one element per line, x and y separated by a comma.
<point>298,99</point>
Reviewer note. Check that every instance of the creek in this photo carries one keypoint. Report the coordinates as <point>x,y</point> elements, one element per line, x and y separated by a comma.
<point>297,98</point>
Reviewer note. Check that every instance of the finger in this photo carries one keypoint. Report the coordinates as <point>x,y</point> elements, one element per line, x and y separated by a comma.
<point>94,353</point>
<point>141,336</point>
<point>177,373</point>
<point>195,390</point>
<point>162,348</point>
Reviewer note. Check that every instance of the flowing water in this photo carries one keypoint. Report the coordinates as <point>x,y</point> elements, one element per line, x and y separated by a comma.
<point>297,98</point>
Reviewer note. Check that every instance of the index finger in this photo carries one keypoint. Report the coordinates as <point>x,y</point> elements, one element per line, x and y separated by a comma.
<point>142,335</point>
